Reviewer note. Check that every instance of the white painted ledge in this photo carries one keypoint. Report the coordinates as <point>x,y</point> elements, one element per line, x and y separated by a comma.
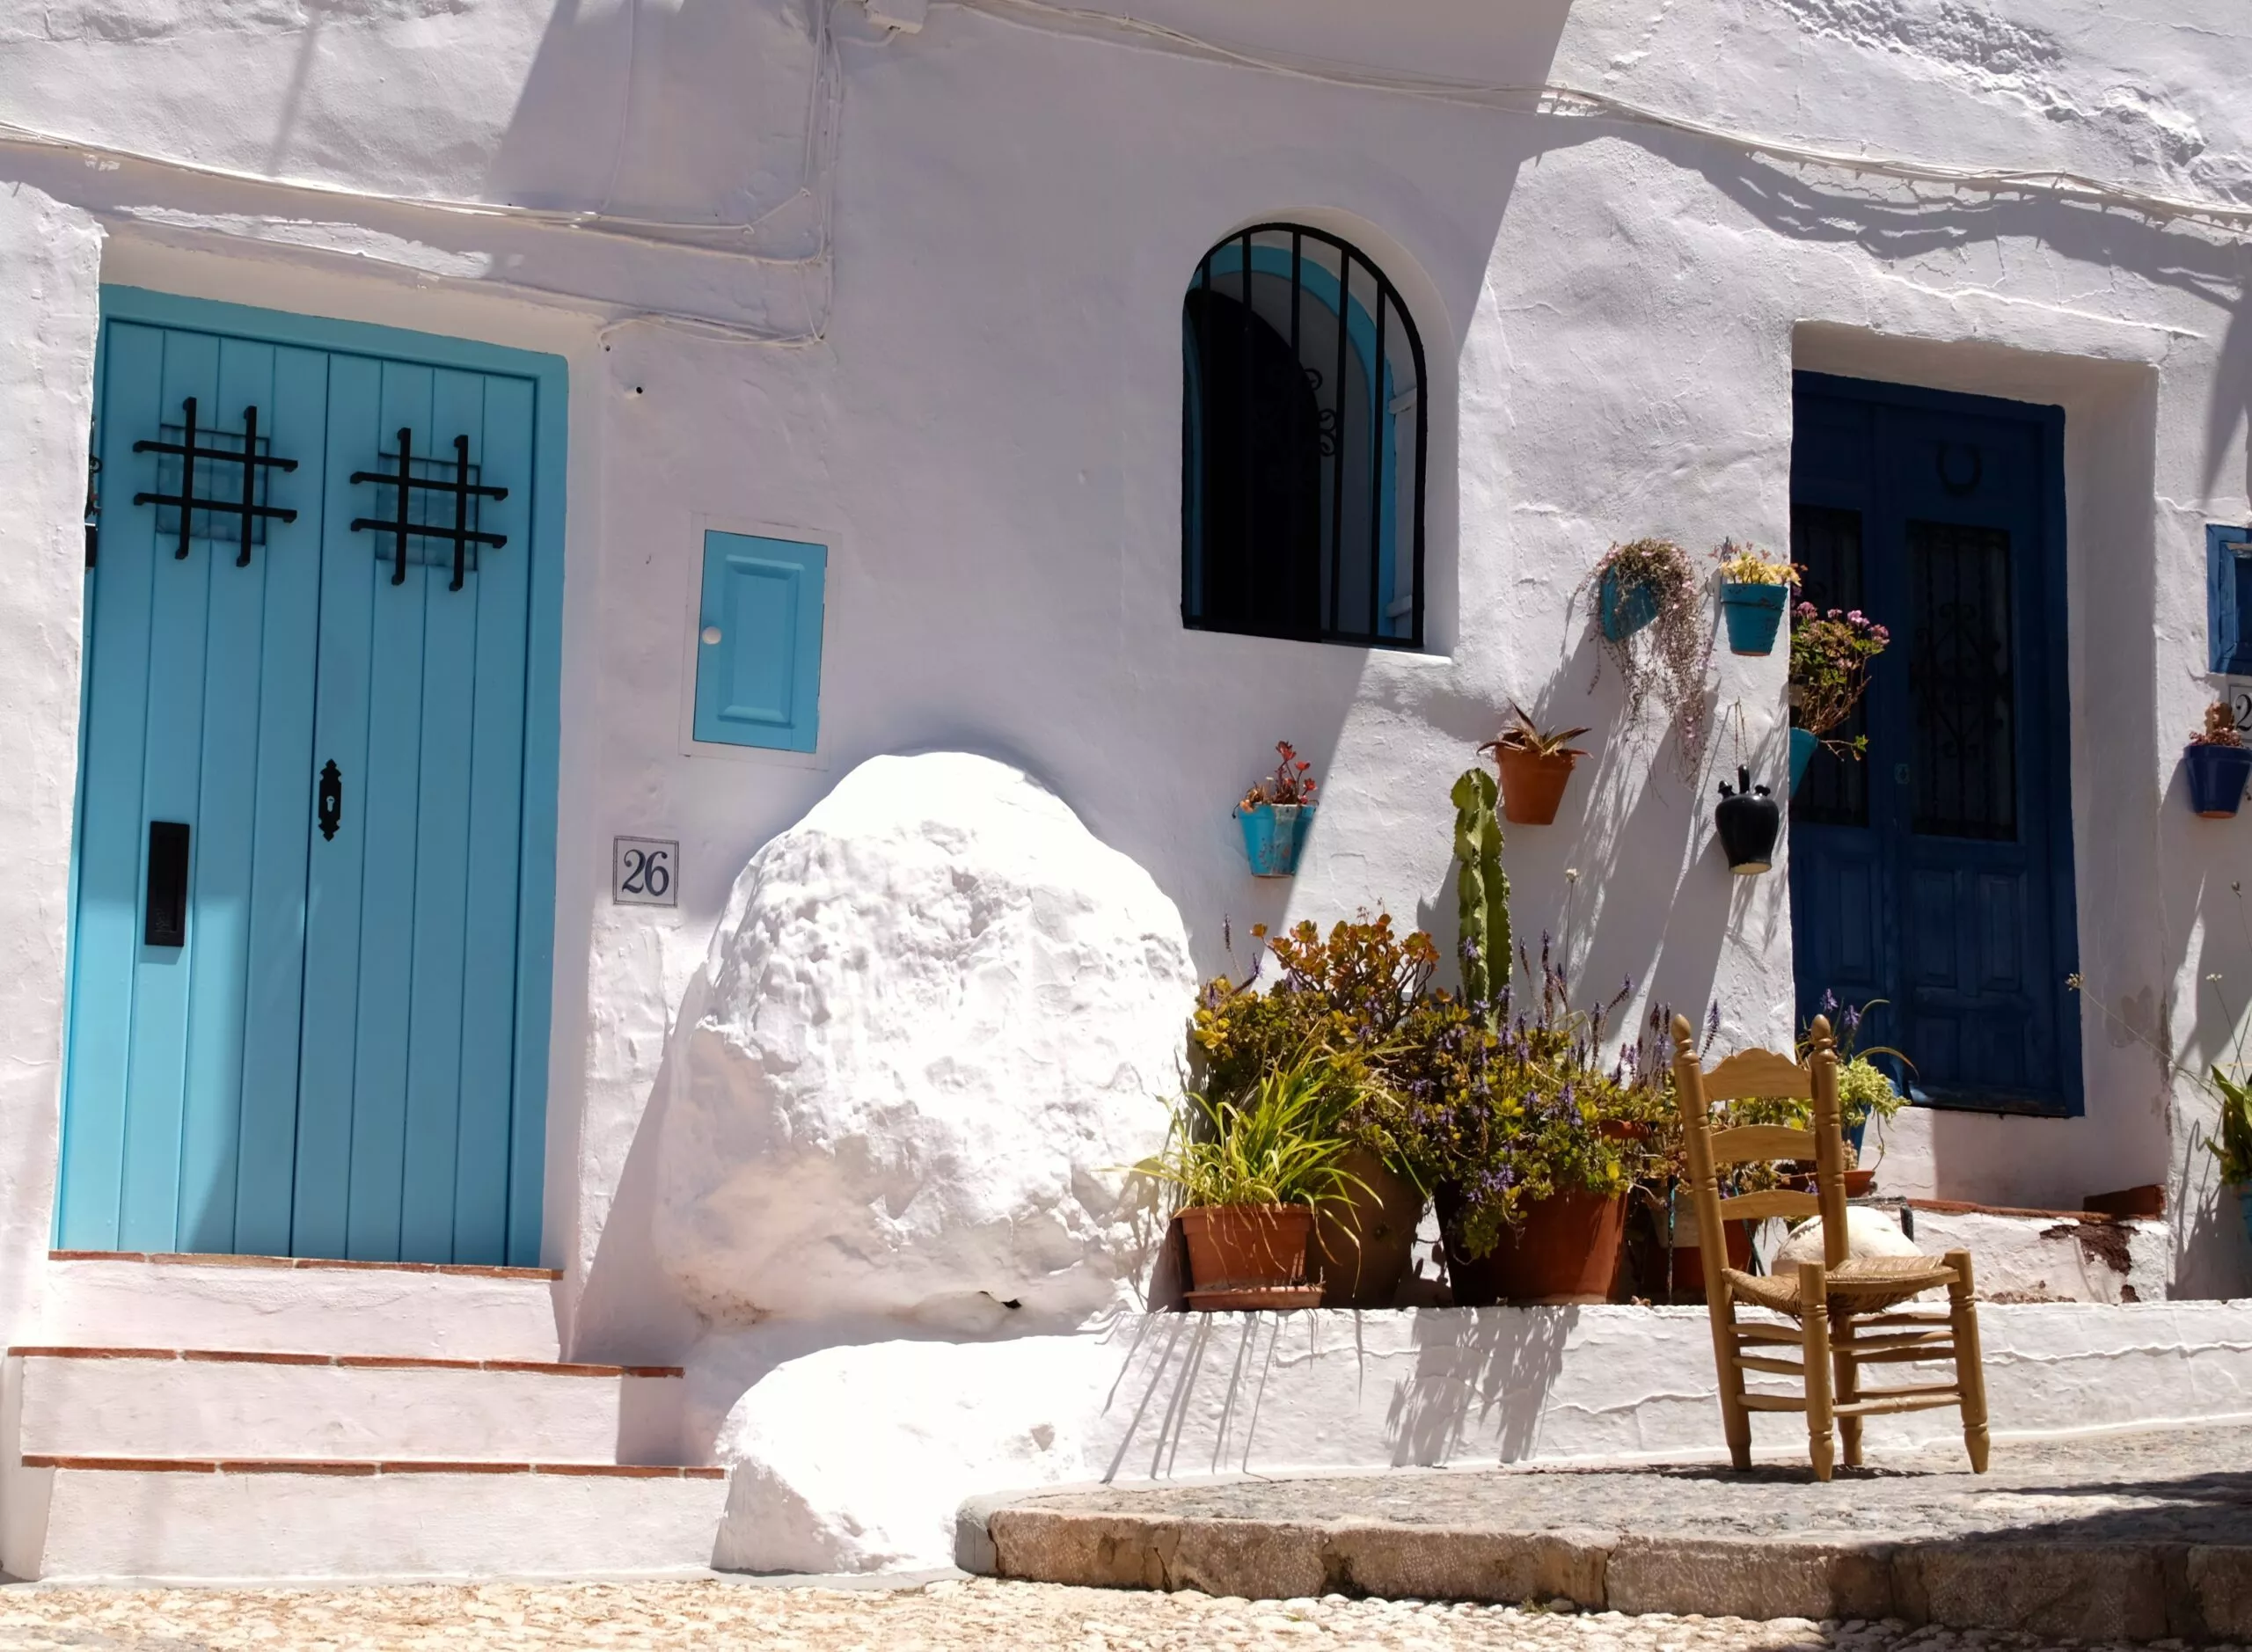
<point>856,1456</point>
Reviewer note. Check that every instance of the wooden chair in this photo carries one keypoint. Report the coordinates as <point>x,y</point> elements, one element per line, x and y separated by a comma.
<point>1849,1310</point>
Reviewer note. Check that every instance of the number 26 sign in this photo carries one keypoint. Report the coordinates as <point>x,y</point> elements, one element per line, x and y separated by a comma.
<point>643,871</point>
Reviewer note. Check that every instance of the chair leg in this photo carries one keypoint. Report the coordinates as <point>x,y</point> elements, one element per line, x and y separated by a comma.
<point>1736,1422</point>
<point>1848,1388</point>
<point>1814,1330</point>
<point>1969,1371</point>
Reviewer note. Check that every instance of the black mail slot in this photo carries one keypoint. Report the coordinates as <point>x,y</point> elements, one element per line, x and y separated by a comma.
<point>167,917</point>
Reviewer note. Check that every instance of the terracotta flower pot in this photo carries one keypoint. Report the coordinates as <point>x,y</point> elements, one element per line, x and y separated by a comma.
<point>1566,1250</point>
<point>1245,1247</point>
<point>1532,786</point>
<point>1689,1260</point>
<point>1362,1244</point>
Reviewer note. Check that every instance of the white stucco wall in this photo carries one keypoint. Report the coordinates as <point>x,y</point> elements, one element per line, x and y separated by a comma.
<point>987,434</point>
<point>50,258</point>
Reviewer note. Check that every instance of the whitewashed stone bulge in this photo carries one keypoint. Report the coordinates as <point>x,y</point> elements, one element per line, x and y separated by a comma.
<point>942,1017</point>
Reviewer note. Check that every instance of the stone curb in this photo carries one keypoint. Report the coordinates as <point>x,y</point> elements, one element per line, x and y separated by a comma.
<point>2102,1591</point>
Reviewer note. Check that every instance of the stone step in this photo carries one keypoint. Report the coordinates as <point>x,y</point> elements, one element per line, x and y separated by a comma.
<point>113,1519</point>
<point>202,1403</point>
<point>281,1305</point>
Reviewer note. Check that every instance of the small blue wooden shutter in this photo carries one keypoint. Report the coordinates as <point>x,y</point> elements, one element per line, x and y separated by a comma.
<point>758,647</point>
<point>2228,598</point>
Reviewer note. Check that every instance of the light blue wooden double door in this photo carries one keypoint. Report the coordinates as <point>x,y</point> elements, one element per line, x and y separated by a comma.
<point>299,980</point>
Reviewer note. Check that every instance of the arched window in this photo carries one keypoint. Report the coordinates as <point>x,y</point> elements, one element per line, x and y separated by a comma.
<point>1302,444</point>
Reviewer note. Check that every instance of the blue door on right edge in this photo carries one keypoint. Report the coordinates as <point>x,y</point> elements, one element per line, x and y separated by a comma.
<point>1936,873</point>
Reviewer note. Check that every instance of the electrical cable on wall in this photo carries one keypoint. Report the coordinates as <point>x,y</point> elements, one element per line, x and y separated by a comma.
<point>816,180</point>
<point>1550,97</point>
<point>816,272</point>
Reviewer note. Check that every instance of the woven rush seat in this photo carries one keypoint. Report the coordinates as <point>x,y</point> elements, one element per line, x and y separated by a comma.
<point>1861,1284</point>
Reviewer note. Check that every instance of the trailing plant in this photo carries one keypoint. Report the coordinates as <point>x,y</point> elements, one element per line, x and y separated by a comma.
<point>1524,734</point>
<point>1275,1144</point>
<point>1667,660</point>
<point>1292,783</point>
<point>2220,727</point>
<point>1748,564</point>
<point>1482,888</point>
<point>1831,654</point>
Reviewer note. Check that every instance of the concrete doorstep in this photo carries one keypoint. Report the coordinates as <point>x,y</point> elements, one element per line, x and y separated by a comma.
<point>2114,1537</point>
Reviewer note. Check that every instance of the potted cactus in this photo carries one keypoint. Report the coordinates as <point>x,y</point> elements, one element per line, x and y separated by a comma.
<point>1536,766</point>
<point>2219,763</point>
<point>1755,590</point>
<point>1276,813</point>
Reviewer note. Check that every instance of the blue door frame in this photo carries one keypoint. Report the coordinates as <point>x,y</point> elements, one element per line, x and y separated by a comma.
<point>1936,873</point>
<point>238,1117</point>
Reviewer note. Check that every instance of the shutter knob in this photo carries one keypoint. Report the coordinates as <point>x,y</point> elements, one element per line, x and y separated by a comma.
<point>710,634</point>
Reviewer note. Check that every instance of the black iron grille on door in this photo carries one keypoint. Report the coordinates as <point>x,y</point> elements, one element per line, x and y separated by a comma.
<point>1303,437</point>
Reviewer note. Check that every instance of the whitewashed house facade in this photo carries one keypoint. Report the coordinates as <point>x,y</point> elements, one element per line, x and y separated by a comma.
<point>665,409</point>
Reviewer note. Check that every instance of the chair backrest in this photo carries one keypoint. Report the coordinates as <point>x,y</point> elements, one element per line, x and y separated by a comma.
<point>1750,1074</point>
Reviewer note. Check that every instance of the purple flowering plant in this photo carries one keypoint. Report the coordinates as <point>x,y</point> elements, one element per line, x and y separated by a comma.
<point>1831,654</point>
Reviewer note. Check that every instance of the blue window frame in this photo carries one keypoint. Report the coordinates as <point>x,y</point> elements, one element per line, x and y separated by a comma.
<point>1303,439</point>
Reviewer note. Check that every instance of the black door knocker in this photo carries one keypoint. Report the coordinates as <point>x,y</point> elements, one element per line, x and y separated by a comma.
<point>1960,490</point>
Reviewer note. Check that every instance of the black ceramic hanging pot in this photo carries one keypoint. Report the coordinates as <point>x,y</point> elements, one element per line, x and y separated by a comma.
<point>1748,821</point>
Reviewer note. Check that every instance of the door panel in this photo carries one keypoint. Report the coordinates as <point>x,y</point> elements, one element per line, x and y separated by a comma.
<point>1939,517</point>
<point>493,715</point>
<point>177,728</point>
<point>333,898</point>
<point>327,1067</point>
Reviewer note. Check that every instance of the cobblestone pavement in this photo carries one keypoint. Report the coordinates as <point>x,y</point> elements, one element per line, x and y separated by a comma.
<point>978,1615</point>
<point>2185,1485</point>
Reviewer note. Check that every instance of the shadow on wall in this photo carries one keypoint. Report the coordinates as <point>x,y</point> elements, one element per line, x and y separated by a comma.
<point>1480,1382</point>
<point>1615,849</point>
<point>673,113</point>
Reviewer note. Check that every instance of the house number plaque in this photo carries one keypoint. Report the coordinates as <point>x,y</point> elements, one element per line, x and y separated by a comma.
<point>645,871</point>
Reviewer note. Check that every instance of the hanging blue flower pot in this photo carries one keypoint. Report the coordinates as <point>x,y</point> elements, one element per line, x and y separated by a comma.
<point>2217,776</point>
<point>1754,612</point>
<point>1803,743</point>
<point>1624,612</point>
<point>1273,834</point>
<point>2244,1208</point>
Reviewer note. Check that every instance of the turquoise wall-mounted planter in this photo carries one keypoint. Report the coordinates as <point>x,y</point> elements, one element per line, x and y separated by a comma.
<point>1754,613</point>
<point>1273,834</point>
<point>1624,612</point>
<point>1802,745</point>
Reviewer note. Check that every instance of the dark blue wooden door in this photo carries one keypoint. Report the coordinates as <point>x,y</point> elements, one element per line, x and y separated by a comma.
<point>1936,873</point>
<point>296,947</point>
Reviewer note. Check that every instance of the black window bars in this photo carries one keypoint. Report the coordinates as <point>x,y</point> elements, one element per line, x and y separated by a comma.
<point>247,510</point>
<point>1303,438</point>
<point>402,525</point>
